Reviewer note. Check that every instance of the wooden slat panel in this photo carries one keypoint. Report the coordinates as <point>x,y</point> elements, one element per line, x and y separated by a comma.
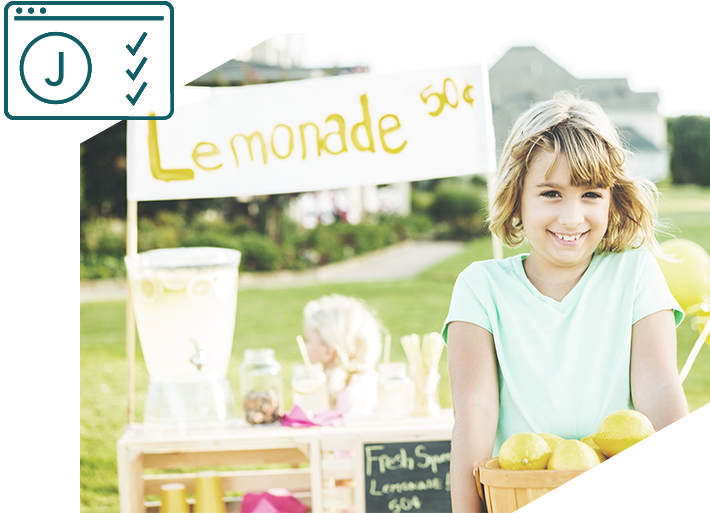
<point>130,479</point>
<point>233,504</point>
<point>337,443</point>
<point>503,500</point>
<point>316,480</point>
<point>338,499</point>
<point>223,458</point>
<point>338,469</point>
<point>239,481</point>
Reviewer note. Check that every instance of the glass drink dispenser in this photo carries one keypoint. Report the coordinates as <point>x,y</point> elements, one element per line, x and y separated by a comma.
<point>185,301</point>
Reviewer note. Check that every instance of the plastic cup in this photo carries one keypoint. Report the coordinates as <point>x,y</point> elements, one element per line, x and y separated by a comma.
<point>208,493</point>
<point>173,498</point>
<point>309,388</point>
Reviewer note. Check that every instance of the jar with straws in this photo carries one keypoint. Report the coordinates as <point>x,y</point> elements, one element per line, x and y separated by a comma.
<point>423,368</point>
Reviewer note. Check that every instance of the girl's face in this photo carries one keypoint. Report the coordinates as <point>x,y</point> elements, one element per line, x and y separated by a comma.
<point>318,351</point>
<point>563,223</point>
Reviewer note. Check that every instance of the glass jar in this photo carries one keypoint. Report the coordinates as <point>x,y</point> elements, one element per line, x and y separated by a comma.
<point>394,396</point>
<point>309,388</point>
<point>261,387</point>
<point>426,394</point>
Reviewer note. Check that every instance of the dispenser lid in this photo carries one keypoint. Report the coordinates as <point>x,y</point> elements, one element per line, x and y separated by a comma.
<point>183,257</point>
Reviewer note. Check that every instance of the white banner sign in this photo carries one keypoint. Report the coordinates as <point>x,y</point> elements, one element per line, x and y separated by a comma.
<point>316,134</point>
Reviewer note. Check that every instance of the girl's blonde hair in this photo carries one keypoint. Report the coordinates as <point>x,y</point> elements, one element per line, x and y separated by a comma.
<point>354,332</point>
<point>581,131</point>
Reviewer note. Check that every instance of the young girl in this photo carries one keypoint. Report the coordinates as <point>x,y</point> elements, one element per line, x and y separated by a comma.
<point>344,335</point>
<point>582,326</point>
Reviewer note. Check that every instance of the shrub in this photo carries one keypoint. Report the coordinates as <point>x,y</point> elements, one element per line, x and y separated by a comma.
<point>210,239</point>
<point>94,267</point>
<point>103,240</point>
<point>104,236</point>
<point>450,204</point>
<point>327,244</point>
<point>421,200</point>
<point>459,212</point>
<point>259,253</point>
<point>166,231</point>
<point>689,137</point>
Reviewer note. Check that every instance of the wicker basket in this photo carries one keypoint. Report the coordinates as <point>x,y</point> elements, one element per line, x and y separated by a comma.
<point>643,487</point>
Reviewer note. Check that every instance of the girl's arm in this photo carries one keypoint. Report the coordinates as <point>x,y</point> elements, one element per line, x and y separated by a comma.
<point>655,388</point>
<point>473,373</point>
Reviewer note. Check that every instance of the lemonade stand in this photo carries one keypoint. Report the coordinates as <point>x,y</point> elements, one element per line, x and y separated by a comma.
<point>309,135</point>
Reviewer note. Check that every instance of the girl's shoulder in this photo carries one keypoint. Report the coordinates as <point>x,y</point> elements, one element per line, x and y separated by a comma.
<point>493,266</point>
<point>631,257</point>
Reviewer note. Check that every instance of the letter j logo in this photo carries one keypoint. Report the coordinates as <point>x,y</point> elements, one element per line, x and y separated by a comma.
<point>68,73</point>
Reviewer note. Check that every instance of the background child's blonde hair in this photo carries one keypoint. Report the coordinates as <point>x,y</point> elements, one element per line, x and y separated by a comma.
<point>351,328</point>
<point>580,130</point>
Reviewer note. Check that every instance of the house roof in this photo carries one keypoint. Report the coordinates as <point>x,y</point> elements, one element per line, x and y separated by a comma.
<point>525,75</point>
<point>633,141</point>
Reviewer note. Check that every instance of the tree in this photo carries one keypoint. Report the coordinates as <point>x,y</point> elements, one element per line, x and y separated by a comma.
<point>689,137</point>
<point>103,174</point>
<point>103,183</point>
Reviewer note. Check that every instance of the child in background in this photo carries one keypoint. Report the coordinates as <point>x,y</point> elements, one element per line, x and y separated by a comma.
<point>344,335</point>
<point>582,326</point>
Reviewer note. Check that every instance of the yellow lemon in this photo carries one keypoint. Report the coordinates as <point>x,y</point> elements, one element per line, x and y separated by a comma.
<point>622,429</point>
<point>524,451</point>
<point>589,440</point>
<point>621,459</point>
<point>552,440</point>
<point>571,455</point>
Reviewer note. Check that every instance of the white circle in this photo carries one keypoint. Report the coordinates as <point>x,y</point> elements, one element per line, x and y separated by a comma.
<point>42,63</point>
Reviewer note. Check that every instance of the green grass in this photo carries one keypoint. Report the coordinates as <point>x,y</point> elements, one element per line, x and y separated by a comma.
<point>272,318</point>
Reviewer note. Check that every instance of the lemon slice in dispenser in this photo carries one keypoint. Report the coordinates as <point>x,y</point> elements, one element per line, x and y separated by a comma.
<point>149,289</point>
<point>175,279</point>
<point>200,286</point>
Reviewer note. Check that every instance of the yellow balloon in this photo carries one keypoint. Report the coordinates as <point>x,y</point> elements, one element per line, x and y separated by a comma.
<point>689,277</point>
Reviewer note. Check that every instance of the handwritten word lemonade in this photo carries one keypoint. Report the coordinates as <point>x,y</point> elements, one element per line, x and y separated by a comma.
<point>185,301</point>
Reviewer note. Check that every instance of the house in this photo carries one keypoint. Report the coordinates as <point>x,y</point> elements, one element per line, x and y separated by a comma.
<point>525,75</point>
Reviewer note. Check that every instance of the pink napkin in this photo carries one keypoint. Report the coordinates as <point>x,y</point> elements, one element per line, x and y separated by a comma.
<point>280,501</point>
<point>299,418</point>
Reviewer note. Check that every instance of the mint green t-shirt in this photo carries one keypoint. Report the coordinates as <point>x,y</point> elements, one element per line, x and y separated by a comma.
<point>562,366</point>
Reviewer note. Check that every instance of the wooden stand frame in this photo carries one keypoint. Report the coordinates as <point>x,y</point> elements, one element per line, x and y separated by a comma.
<point>333,482</point>
<point>244,446</point>
<point>131,249</point>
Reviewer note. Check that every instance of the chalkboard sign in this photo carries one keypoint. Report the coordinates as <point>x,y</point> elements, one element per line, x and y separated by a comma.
<point>411,476</point>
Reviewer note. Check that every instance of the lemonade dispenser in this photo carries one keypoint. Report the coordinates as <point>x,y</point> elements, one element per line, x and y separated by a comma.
<point>185,302</point>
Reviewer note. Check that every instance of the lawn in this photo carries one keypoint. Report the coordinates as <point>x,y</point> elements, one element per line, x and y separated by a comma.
<point>272,318</point>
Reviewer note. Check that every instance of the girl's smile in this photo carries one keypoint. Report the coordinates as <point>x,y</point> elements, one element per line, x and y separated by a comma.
<point>571,240</point>
<point>563,223</point>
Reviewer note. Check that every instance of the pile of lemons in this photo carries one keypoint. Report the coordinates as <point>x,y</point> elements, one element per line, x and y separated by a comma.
<point>617,432</point>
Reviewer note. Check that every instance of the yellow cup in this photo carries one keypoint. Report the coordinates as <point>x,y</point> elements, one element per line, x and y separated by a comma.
<point>173,498</point>
<point>208,493</point>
